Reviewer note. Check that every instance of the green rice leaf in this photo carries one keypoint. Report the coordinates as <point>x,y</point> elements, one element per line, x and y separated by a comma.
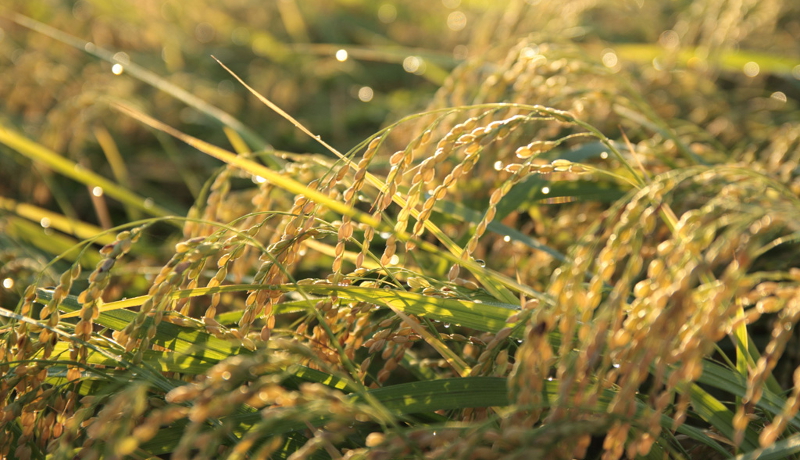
<point>46,157</point>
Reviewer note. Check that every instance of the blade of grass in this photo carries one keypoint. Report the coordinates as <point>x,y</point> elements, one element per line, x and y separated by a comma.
<point>720,417</point>
<point>657,127</point>
<point>183,164</point>
<point>466,214</point>
<point>729,60</point>
<point>164,361</point>
<point>483,316</point>
<point>329,250</point>
<point>56,221</point>
<point>252,167</point>
<point>781,450</point>
<point>118,168</point>
<point>153,377</point>
<point>41,154</point>
<point>145,76</point>
<point>431,396</point>
<point>731,381</point>
<point>453,359</point>
<point>49,242</point>
<point>188,341</point>
<point>238,144</point>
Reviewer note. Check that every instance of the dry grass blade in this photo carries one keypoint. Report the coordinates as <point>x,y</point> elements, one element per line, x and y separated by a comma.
<point>249,166</point>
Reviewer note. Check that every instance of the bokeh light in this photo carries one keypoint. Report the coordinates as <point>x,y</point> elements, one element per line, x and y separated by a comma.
<point>751,69</point>
<point>779,96</point>
<point>387,13</point>
<point>204,32</point>
<point>365,93</point>
<point>610,59</point>
<point>456,21</point>
<point>414,64</point>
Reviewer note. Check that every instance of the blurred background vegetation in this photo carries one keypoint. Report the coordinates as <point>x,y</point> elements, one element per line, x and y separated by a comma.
<point>343,68</point>
<point>398,55</point>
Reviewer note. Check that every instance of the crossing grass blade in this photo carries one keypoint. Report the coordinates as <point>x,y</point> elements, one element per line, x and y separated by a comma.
<point>46,157</point>
<point>483,316</point>
<point>56,221</point>
<point>145,76</point>
<point>48,242</point>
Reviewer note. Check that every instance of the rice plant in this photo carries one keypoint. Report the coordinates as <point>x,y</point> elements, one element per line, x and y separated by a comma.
<point>559,257</point>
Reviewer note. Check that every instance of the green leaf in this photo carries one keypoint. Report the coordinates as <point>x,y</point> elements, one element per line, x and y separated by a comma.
<point>729,60</point>
<point>585,152</point>
<point>187,341</point>
<point>720,417</point>
<point>48,242</point>
<point>443,394</point>
<point>42,155</point>
<point>779,451</point>
<point>733,382</point>
<point>465,214</point>
<point>529,192</point>
<point>483,316</point>
<point>57,221</point>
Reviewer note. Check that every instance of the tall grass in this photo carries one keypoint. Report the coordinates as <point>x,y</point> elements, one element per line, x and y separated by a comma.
<point>559,257</point>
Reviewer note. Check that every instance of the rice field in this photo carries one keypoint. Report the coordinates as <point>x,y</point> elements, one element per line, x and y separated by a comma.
<point>355,230</point>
